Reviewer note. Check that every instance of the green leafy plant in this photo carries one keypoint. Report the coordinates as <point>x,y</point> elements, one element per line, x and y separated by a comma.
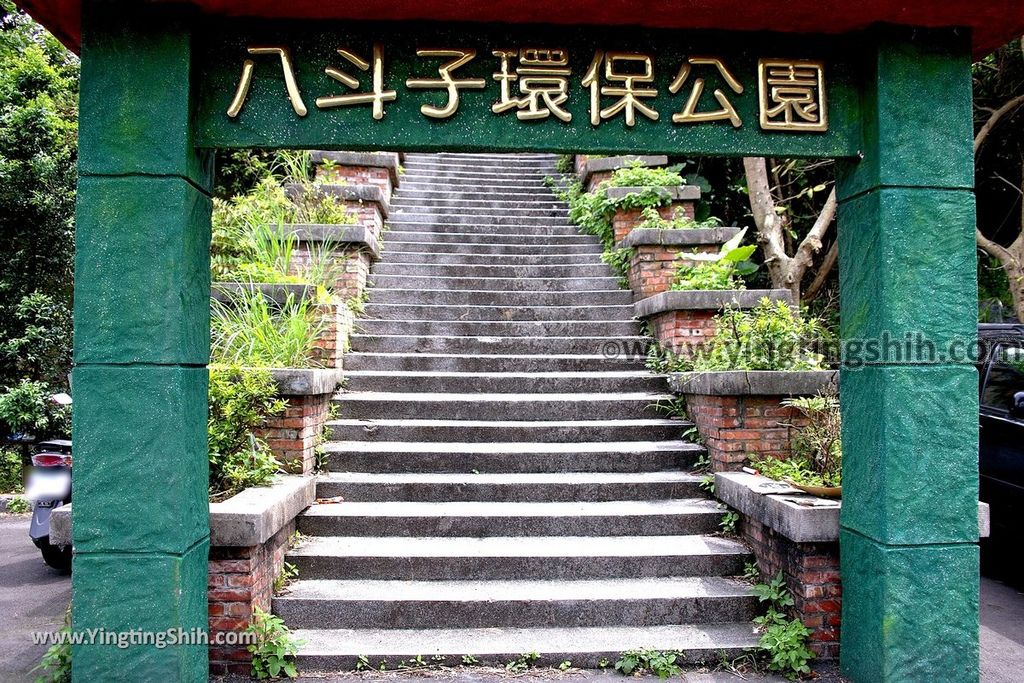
<point>728,523</point>
<point>750,572</point>
<point>636,174</point>
<point>651,218</point>
<point>771,336</point>
<point>564,163</point>
<point>783,638</point>
<point>817,445</point>
<point>469,660</point>
<point>11,471</point>
<point>18,505</point>
<point>250,329</point>
<point>619,260</point>
<point>289,572</point>
<point>55,666</point>
<point>241,401</point>
<point>26,408</point>
<point>643,661</point>
<point>274,651</point>
<point>522,662</point>
<point>723,270</point>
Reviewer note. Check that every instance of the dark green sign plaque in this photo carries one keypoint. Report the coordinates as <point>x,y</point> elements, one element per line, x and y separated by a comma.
<point>471,87</point>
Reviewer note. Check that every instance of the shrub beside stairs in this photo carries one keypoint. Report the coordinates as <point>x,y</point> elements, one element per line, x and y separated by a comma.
<point>508,484</point>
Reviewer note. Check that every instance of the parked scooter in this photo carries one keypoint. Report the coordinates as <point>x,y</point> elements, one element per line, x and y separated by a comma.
<point>48,488</point>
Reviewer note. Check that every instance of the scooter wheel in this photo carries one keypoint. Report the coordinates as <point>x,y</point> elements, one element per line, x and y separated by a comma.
<point>56,556</point>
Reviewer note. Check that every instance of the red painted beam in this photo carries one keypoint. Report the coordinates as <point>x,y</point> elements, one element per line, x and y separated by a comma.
<point>993,22</point>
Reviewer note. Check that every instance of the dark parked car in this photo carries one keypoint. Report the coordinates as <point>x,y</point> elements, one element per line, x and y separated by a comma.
<point>1001,447</point>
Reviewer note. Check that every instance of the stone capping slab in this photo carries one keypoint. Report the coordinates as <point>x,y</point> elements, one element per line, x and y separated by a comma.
<point>677,237</point>
<point>704,300</point>
<point>372,194</point>
<point>389,160</point>
<point>601,165</point>
<point>278,293</point>
<point>755,382</point>
<point>249,518</point>
<point>305,381</point>
<point>799,517</point>
<point>337,234</point>
<point>253,516</point>
<point>671,192</point>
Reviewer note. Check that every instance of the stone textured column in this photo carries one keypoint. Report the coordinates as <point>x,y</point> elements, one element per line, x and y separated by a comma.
<point>142,287</point>
<point>909,525</point>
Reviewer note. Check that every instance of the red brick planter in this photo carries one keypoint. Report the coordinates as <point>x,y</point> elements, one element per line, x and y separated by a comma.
<point>739,413</point>
<point>593,172</point>
<point>682,321</point>
<point>657,254</point>
<point>294,435</point>
<point>679,200</point>
<point>359,168</point>
<point>356,246</point>
<point>789,535</point>
<point>370,204</point>
<point>249,536</point>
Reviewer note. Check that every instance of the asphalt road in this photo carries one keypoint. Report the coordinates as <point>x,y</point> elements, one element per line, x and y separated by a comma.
<point>33,597</point>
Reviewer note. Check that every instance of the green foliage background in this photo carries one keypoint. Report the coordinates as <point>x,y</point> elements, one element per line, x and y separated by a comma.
<point>38,142</point>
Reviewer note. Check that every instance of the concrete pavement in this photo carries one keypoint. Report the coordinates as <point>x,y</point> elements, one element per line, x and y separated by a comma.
<point>33,597</point>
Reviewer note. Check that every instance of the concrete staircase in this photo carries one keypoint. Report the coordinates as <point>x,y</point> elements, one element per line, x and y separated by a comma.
<point>509,485</point>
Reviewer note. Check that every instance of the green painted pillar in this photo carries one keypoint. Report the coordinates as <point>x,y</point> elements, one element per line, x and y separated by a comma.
<point>909,526</point>
<point>141,527</point>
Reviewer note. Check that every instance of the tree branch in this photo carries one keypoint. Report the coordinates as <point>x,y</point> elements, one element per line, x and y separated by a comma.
<point>821,277</point>
<point>811,244</point>
<point>994,119</point>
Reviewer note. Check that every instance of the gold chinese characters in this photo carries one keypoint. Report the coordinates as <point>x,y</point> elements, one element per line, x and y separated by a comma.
<point>536,84</point>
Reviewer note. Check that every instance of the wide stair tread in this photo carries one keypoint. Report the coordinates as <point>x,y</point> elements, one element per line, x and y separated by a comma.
<point>585,647</point>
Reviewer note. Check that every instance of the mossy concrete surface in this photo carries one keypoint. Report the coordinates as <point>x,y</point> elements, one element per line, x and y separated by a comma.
<point>909,524</point>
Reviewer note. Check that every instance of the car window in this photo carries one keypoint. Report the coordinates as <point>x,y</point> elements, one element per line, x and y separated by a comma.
<point>1005,379</point>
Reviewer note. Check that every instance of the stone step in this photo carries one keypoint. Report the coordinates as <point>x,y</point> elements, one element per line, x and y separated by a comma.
<point>484,431</point>
<point>525,203</point>
<point>504,248</point>
<point>367,405</point>
<point>565,313</point>
<point>509,487</point>
<point>487,261</point>
<point>608,518</point>
<point>497,232</point>
<point>593,346</point>
<point>537,557</point>
<point>477,222</point>
<point>358,604</point>
<point>539,242</point>
<point>503,382</point>
<point>412,190</point>
<point>328,650</point>
<point>492,362</point>
<point>503,284</point>
<point>508,174</point>
<point>439,457</point>
<point>424,182</point>
<point>501,328</point>
<point>490,270</point>
<point>478,161</point>
<point>485,297</point>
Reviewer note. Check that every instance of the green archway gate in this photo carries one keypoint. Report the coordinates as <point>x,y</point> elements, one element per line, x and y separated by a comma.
<point>162,85</point>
